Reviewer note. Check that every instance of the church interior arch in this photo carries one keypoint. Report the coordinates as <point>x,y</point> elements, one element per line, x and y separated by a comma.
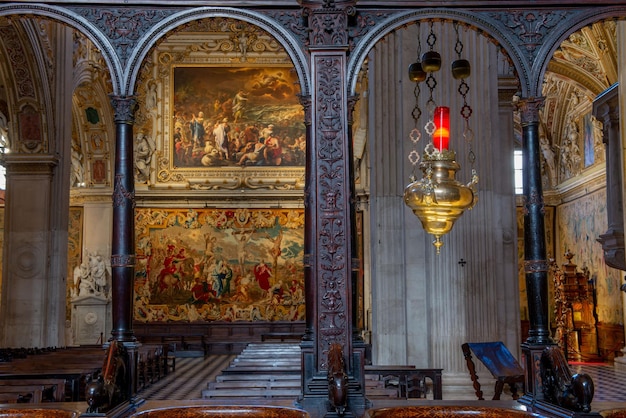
<point>404,273</point>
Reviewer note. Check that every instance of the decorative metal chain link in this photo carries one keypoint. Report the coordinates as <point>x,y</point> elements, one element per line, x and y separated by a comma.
<point>415,135</point>
<point>458,46</point>
<point>466,109</point>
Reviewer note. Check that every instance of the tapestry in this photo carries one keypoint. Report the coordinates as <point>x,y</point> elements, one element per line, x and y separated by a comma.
<point>74,252</point>
<point>219,265</point>
<point>579,224</point>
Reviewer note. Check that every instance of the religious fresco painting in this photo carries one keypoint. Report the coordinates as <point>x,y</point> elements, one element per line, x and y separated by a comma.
<point>219,265</point>
<point>237,117</point>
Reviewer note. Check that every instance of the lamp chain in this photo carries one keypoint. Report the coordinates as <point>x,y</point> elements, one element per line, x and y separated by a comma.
<point>438,199</point>
<point>466,109</point>
<point>416,134</point>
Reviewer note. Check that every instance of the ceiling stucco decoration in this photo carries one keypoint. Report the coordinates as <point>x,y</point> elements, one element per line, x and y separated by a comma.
<point>582,67</point>
<point>93,129</point>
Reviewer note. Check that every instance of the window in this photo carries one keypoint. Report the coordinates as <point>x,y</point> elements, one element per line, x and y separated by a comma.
<point>518,167</point>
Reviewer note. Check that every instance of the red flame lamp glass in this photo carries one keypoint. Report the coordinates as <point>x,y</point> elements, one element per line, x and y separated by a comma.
<point>441,136</point>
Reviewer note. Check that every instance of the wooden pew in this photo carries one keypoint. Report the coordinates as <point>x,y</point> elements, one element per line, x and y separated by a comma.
<point>52,390</point>
<point>21,393</point>
<point>184,345</point>
<point>71,365</point>
<point>152,364</point>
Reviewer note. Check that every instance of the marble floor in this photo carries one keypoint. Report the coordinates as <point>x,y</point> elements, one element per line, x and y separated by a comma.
<point>193,374</point>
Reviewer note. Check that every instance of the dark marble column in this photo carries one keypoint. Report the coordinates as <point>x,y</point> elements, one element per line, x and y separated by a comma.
<point>123,244</point>
<point>536,265</point>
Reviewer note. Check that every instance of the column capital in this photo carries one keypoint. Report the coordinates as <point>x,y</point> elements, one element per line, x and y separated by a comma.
<point>529,109</point>
<point>328,22</point>
<point>124,108</point>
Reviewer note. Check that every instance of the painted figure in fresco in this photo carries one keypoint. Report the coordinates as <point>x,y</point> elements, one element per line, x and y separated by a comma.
<point>239,104</point>
<point>221,133</point>
<point>197,130</point>
<point>262,274</point>
<point>273,151</point>
<point>183,147</point>
<point>267,131</point>
<point>253,154</point>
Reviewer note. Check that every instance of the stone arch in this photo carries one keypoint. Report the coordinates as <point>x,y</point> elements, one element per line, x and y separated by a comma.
<point>79,23</point>
<point>487,28</point>
<point>562,31</point>
<point>286,38</point>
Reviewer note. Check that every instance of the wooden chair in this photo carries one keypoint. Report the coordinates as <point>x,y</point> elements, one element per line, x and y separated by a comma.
<point>415,386</point>
<point>500,362</point>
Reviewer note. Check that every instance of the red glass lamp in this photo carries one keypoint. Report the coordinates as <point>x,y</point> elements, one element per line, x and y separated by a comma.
<point>441,136</point>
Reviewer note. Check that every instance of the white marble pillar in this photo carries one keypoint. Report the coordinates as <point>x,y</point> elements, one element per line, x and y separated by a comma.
<point>36,212</point>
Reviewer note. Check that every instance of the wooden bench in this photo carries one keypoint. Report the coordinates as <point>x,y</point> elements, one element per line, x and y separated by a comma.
<point>183,345</point>
<point>32,391</point>
<point>410,380</point>
<point>152,364</point>
<point>376,387</point>
<point>48,390</point>
<point>21,393</point>
<point>71,365</point>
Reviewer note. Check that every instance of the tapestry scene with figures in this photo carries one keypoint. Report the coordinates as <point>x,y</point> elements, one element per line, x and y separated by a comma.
<point>219,265</point>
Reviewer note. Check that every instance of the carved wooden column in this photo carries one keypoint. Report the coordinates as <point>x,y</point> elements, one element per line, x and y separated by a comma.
<point>536,266</point>
<point>606,110</point>
<point>329,206</point>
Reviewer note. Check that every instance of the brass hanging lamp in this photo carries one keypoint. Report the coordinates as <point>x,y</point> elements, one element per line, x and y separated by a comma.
<point>438,199</point>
